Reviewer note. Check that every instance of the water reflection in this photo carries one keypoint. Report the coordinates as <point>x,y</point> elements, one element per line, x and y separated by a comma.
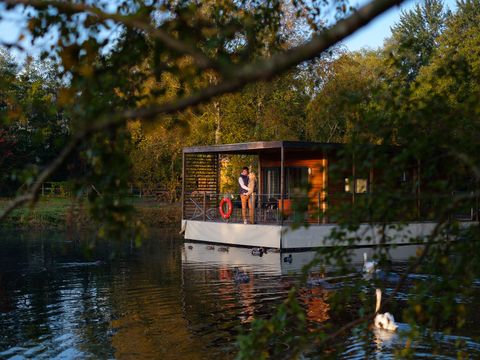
<point>272,275</point>
<point>46,306</point>
<point>72,296</point>
<point>274,262</point>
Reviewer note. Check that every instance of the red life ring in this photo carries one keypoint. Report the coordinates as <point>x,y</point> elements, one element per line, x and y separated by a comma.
<point>228,213</point>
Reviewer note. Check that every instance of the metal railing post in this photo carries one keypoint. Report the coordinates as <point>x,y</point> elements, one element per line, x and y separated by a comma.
<point>204,206</point>
<point>477,206</point>
<point>282,186</point>
<point>472,208</point>
<point>318,207</point>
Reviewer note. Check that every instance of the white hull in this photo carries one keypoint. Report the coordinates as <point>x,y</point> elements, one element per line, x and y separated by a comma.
<point>284,237</point>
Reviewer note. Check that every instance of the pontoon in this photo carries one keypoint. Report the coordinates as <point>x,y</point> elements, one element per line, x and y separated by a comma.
<point>290,172</point>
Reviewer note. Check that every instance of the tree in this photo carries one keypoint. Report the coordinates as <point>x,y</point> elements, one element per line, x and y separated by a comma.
<point>30,119</point>
<point>414,39</point>
<point>444,100</point>
<point>342,106</point>
<point>8,71</point>
<point>157,157</point>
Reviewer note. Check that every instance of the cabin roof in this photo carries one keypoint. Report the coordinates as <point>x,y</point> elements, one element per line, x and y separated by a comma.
<point>257,147</point>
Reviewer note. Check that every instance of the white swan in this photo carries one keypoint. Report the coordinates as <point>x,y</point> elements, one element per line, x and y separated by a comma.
<point>383,321</point>
<point>369,267</point>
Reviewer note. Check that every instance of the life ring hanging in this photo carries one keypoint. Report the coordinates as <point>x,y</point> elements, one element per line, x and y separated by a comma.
<point>226,214</point>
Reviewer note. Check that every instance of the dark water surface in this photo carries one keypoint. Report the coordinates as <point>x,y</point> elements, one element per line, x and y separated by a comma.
<point>70,296</point>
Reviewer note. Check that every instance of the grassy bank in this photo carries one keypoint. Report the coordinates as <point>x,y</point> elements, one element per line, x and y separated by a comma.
<point>59,212</point>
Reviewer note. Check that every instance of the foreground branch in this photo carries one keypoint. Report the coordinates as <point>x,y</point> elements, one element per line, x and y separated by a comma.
<point>262,70</point>
<point>31,195</point>
<point>431,239</point>
<point>130,21</point>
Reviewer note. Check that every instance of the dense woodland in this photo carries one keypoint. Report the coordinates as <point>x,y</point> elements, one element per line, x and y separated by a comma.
<point>115,111</point>
<point>426,75</point>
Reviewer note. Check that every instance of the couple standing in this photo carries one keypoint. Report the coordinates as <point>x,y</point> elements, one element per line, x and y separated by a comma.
<point>247,186</point>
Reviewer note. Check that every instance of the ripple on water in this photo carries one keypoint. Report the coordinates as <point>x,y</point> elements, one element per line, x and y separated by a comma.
<point>384,345</point>
<point>152,303</point>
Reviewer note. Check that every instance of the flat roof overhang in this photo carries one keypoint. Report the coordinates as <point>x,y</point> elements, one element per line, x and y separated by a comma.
<point>260,147</point>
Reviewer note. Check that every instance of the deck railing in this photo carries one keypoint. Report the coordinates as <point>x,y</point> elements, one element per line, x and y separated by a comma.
<point>268,209</point>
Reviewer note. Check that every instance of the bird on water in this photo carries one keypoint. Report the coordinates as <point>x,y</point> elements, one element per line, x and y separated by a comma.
<point>384,321</point>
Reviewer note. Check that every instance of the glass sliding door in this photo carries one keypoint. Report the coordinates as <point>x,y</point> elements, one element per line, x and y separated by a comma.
<point>271,182</point>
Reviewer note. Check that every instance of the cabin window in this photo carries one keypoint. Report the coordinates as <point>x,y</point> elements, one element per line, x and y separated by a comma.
<point>361,185</point>
<point>297,180</point>
<point>347,185</point>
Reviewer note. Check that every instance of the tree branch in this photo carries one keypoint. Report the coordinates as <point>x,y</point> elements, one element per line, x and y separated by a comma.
<point>31,195</point>
<point>10,45</point>
<point>265,69</point>
<point>199,57</point>
<point>428,244</point>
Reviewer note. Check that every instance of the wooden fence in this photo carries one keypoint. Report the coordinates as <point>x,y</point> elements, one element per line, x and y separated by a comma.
<point>65,188</point>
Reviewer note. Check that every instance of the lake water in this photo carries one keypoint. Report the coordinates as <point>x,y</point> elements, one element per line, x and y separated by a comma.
<point>71,296</point>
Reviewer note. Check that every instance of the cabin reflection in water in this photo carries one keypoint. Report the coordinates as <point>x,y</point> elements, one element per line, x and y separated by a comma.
<point>304,182</point>
<point>242,297</point>
<point>315,301</point>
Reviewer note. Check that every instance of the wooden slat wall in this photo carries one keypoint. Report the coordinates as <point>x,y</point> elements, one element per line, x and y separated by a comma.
<point>201,181</point>
<point>336,180</point>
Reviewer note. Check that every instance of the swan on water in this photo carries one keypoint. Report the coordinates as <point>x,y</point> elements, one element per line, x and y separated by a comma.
<point>384,321</point>
<point>369,267</point>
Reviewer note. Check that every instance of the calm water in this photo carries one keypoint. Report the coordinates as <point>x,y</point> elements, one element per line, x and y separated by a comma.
<point>65,296</point>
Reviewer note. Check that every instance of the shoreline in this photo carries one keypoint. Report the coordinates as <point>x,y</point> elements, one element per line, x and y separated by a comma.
<point>67,213</point>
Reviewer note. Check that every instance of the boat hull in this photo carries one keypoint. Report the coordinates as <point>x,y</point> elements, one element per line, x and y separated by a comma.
<point>284,237</point>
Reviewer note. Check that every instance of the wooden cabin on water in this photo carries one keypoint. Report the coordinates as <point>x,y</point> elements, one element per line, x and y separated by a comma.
<point>289,173</point>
